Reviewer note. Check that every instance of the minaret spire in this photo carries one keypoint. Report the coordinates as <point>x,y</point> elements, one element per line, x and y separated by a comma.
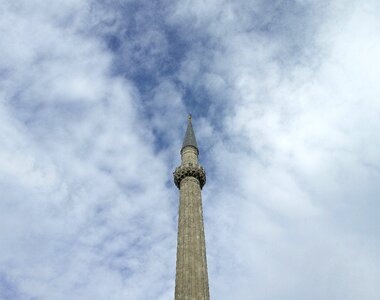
<point>189,139</point>
<point>191,280</point>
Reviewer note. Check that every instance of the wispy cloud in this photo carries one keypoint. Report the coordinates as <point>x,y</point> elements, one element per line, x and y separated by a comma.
<point>80,180</point>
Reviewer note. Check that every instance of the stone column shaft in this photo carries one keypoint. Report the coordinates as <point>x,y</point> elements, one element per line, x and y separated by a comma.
<point>191,271</point>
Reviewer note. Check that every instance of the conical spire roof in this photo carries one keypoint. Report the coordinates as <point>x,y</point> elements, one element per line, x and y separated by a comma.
<point>189,139</point>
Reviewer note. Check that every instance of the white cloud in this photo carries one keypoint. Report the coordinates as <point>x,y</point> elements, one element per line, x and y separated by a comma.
<point>84,210</point>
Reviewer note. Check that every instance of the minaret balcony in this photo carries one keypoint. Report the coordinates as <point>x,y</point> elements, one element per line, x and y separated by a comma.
<point>189,170</point>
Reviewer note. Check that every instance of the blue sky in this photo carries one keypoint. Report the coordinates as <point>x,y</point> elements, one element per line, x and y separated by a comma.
<point>94,97</point>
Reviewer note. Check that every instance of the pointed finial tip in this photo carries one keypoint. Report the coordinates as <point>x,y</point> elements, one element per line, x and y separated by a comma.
<point>189,139</point>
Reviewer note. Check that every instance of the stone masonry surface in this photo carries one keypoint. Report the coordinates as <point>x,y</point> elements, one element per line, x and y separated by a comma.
<point>191,269</point>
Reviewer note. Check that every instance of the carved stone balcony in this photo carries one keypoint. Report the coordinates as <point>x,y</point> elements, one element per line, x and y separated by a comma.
<point>190,170</point>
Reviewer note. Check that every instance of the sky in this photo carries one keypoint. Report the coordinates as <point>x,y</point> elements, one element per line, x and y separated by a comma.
<point>94,98</point>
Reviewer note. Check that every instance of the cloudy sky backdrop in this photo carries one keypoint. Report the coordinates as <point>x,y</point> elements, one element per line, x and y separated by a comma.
<point>285,97</point>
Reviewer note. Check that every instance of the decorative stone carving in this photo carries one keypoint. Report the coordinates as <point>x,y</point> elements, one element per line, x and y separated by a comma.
<point>196,171</point>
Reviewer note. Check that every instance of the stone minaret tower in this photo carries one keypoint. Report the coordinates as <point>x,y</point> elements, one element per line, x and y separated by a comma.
<point>191,281</point>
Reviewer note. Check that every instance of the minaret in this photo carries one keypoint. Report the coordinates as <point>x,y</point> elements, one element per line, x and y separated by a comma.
<point>191,280</point>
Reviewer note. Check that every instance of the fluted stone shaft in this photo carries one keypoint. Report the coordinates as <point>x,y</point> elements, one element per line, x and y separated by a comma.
<point>191,270</point>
